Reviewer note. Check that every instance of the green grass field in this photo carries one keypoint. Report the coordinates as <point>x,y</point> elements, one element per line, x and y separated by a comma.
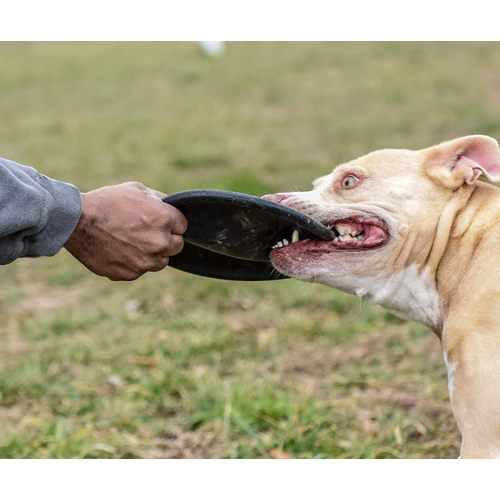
<point>179,366</point>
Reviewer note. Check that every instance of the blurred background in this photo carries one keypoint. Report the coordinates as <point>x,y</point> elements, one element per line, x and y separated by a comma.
<point>175,365</point>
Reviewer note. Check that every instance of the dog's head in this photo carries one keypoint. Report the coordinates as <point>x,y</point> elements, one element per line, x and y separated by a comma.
<point>385,208</point>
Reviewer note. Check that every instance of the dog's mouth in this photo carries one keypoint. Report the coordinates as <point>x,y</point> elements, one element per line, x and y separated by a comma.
<point>359,232</point>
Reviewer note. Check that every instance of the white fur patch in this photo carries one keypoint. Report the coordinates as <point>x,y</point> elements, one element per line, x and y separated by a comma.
<point>410,295</point>
<point>451,367</point>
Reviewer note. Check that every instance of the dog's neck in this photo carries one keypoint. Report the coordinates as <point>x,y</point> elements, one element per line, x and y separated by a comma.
<point>474,233</point>
<point>411,291</point>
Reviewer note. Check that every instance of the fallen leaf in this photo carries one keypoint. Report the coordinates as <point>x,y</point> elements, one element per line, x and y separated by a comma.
<point>144,361</point>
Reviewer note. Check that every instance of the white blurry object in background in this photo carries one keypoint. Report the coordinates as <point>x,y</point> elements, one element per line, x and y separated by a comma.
<point>212,49</point>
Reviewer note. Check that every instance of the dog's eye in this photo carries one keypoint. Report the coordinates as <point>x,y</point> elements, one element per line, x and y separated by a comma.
<point>349,181</point>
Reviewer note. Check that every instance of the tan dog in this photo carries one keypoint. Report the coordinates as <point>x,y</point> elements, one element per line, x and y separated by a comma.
<point>418,234</point>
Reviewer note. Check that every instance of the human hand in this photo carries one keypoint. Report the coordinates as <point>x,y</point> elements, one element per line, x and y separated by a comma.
<point>125,231</point>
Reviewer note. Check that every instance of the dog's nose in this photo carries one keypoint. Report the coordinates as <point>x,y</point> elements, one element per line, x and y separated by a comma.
<point>277,197</point>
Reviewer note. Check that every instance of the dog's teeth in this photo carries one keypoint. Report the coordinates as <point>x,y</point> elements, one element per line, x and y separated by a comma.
<point>285,243</point>
<point>280,244</point>
<point>295,236</point>
<point>347,237</point>
<point>336,238</point>
<point>342,229</point>
<point>354,233</point>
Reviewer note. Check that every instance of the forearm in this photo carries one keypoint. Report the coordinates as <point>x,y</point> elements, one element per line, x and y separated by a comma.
<point>37,214</point>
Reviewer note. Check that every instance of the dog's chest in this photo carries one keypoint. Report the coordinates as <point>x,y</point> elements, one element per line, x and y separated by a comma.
<point>410,295</point>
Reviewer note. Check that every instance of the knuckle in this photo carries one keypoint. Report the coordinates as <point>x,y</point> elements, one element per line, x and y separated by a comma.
<point>177,221</point>
<point>160,264</point>
<point>145,266</point>
<point>159,246</point>
<point>133,270</point>
<point>122,277</point>
<point>132,276</point>
<point>179,245</point>
<point>174,246</point>
<point>183,224</point>
<point>137,185</point>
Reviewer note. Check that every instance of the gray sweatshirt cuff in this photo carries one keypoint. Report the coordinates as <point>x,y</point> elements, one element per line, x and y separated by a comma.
<point>64,214</point>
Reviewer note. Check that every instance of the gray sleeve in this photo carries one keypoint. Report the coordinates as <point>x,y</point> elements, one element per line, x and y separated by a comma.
<point>37,214</point>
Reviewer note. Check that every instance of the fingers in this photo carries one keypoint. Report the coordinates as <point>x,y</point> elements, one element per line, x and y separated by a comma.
<point>177,223</point>
<point>153,264</point>
<point>122,273</point>
<point>172,245</point>
<point>133,272</point>
<point>160,264</point>
<point>155,259</point>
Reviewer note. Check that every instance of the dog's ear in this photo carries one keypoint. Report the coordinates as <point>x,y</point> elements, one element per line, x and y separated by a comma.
<point>463,160</point>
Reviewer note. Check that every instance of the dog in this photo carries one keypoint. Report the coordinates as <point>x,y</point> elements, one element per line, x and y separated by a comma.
<point>417,233</point>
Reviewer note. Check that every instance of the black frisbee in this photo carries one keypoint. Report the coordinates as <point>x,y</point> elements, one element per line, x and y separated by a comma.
<point>230,235</point>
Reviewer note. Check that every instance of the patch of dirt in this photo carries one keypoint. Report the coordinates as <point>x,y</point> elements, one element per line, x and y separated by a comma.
<point>12,415</point>
<point>307,358</point>
<point>40,300</point>
<point>184,444</point>
<point>404,400</point>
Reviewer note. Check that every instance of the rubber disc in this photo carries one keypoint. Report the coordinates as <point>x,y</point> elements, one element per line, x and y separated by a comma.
<point>230,235</point>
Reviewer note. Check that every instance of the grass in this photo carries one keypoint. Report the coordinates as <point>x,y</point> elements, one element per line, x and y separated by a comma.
<point>179,366</point>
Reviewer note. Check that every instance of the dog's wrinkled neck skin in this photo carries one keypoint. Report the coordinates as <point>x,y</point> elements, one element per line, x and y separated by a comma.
<point>472,250</point>
<point>412,292</point>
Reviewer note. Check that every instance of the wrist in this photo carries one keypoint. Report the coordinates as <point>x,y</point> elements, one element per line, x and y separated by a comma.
<point>82,224</point>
